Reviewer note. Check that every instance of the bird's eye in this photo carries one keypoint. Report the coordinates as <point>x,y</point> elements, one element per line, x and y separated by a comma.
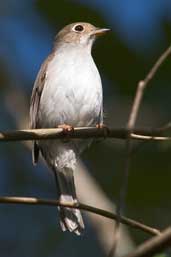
<point>78,28</point>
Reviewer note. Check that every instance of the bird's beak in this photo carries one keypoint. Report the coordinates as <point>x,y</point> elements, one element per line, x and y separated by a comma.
<point>99,31</point>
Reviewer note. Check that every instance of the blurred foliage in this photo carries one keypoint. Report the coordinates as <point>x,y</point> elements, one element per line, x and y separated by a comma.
<point>67,12</point>
<point>121,66</point>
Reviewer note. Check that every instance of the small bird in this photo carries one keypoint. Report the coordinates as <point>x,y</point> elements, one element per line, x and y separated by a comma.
<point>67,93</point>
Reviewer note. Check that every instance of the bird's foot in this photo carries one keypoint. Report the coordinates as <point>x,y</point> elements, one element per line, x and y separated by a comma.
<point>104,127</point>
<point>66,129</point>
<point>100,125</point>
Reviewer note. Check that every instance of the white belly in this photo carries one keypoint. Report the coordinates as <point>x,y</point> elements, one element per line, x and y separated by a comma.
<point>72,92</point>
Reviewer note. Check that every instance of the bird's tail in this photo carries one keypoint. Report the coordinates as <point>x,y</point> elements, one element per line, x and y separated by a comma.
<point>70,218</point>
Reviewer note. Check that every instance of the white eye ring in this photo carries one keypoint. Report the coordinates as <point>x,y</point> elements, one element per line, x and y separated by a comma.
<point>78,28</point>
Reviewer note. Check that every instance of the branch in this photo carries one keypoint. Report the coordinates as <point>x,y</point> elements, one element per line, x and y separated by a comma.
<point>142,85</point>
<point>107,214</point>
<point>82,132</point>
<point>101,225</point>
<point>130,127</point>
<point>153,246</point>
<point>148,137</point>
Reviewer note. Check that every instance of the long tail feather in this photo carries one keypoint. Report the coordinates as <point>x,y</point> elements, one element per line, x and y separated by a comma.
<point>70,218</point>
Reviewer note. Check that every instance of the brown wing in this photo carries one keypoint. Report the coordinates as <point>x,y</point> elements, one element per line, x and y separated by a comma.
<point>35,101</point>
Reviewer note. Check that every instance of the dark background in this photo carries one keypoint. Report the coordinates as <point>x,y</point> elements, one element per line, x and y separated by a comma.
<point>141,30</point>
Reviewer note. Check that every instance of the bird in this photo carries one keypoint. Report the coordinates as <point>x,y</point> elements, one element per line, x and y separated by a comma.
<point>67,93</point>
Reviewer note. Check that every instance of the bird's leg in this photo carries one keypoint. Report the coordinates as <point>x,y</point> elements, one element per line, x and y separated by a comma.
<point>100,125</point>
<point>104,127</point>
<point>66,129</point>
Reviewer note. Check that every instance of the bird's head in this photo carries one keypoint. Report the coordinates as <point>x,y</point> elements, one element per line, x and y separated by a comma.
<point>81,33</point>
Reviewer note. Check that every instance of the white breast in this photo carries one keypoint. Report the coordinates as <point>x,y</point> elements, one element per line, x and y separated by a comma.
<point>72,92</point>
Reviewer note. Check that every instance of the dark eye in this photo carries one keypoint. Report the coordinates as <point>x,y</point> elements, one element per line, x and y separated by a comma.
<point>79,28</point>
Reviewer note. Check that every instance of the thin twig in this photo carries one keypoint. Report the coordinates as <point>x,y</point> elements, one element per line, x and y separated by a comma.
<point>82,132</point>
<point>154,245</point>
<point>155,138</point>
<point>107,214</point>
<point>141,87</point>
<point>130,127</point>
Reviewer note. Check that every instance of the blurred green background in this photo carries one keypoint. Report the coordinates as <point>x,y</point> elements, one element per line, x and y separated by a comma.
<point>141,30</point>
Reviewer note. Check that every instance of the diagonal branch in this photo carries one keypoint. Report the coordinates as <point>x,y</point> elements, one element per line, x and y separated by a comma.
<point>141,87</point>
<point>130,127</point>
<point>81,206</point>
<point>153,246</point>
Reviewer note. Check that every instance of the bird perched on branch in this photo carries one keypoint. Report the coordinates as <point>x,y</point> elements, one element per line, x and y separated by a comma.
<point>67,93</point>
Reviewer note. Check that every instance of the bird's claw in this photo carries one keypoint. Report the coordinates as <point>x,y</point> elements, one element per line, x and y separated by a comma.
<point>66,129</point>
<point>104,127</point>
